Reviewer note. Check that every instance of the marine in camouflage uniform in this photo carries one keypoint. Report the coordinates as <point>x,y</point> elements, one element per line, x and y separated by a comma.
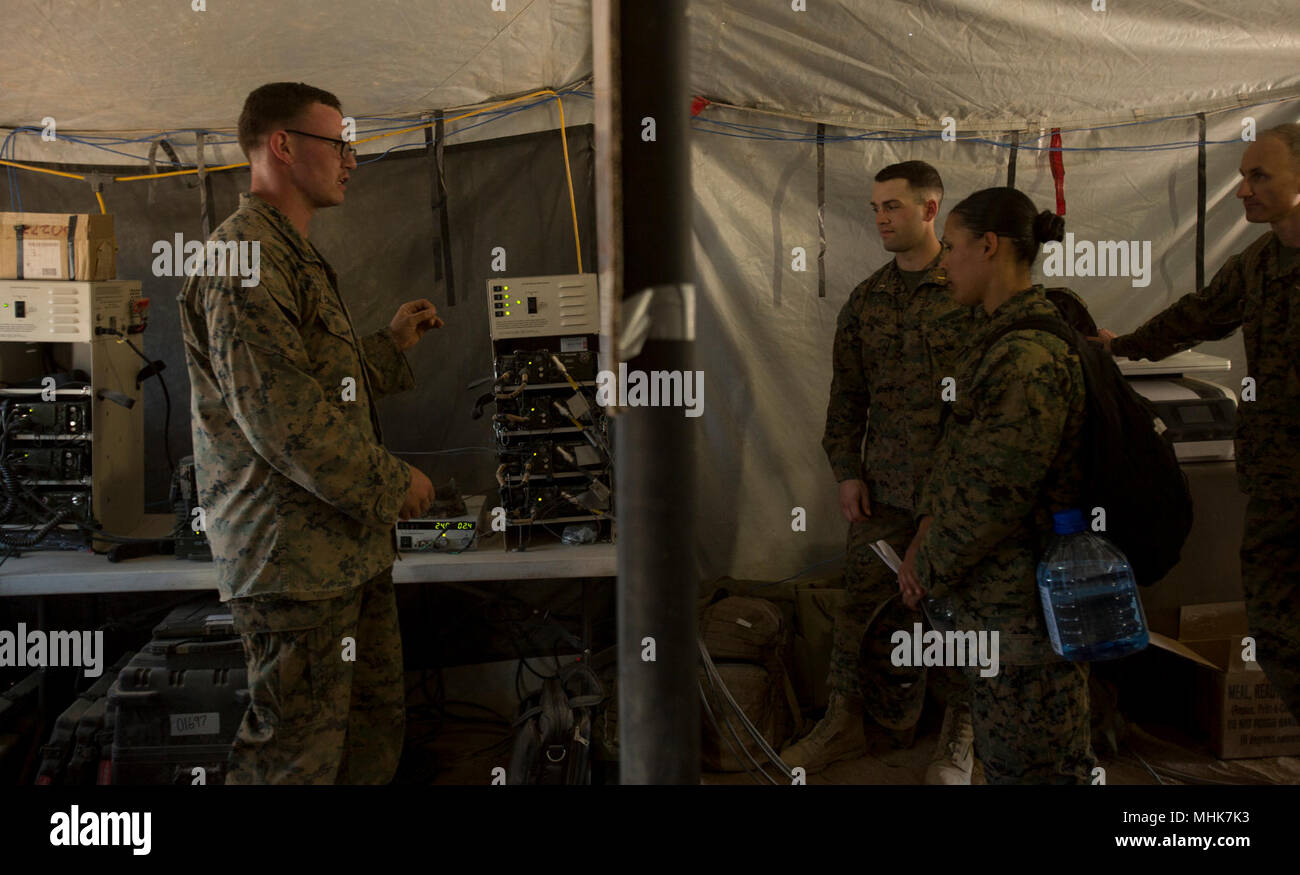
<point>1257,290</point>
<point>1010,455</point>
<point>892,349</point>
<point>300,499</point>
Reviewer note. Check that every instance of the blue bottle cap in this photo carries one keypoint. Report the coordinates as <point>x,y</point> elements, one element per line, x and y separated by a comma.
<point>1068,522</point>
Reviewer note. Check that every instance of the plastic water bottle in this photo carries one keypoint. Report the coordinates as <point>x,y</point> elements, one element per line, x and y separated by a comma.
<point>1090,599</point>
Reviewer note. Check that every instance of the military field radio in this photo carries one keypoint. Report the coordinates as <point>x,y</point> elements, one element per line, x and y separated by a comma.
<point>71,417</point>
<point>553,440</point>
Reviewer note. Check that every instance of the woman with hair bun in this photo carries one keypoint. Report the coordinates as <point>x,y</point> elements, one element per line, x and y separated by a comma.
<point>1009,456</point>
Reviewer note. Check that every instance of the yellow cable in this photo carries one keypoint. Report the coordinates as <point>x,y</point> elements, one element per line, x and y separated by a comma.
<point>42,170</point>
<point>568,171</point>
<point>178,172</point>
<point>363,140</point>
<point>99,197</point>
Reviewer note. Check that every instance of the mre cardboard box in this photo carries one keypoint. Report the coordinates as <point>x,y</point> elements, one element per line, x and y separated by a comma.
<point>57,246</point>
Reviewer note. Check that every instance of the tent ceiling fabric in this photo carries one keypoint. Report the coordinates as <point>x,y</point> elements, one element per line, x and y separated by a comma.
<point>126,65</point>
<point>997,62</point>
<point>130,65</point>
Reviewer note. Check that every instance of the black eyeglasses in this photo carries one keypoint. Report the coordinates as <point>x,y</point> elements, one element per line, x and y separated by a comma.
<point>344,147</point>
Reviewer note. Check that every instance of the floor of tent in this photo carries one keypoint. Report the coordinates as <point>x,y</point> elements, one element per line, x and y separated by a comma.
<point>465,753</point>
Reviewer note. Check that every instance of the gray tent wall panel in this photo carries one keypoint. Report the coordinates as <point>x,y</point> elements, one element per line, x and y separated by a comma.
<point>507,192</point>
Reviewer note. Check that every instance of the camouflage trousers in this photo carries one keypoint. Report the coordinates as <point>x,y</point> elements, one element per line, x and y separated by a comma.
<point>1270,576</point>
<point>860,646</point>
<point>1032,723</point>
<point>321,712</point>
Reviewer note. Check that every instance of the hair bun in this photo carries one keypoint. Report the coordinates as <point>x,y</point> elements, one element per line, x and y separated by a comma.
<point>1048,227</point>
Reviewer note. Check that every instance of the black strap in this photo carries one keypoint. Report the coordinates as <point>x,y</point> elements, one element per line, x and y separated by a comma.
<point>1011,161</point>
<point>589,700</point>
<point>154,368</point>
<point>1200,200</point>
<point>434,141</point>
<point>72,250</point>
<point>18,237</point>
<point>1050,324</point>
<point>821,210</point>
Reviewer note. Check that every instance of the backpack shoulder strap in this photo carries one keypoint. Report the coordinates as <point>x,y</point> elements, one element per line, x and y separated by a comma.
<point>1050,324</point>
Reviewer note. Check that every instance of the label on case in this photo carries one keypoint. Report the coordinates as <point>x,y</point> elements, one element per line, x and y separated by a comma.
<point>196,724</point>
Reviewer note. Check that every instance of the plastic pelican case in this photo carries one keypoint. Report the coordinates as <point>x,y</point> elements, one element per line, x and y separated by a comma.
<point>179,701</point>
<point>58,752</point>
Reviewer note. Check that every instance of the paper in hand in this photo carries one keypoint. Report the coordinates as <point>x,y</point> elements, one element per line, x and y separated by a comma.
<point>887,554</point>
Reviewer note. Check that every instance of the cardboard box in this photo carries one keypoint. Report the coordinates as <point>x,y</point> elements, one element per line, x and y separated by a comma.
<point>35,246</point>
<point>1235,703</point>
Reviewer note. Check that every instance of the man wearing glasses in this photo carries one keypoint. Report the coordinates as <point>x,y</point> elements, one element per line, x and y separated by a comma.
<point>299,494</point>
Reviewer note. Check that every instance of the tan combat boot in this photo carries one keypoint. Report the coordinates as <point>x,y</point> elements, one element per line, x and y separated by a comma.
<point>837,736</point>
<point>955,753</point>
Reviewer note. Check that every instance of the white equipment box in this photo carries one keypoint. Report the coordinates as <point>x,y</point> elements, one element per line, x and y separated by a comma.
<point>543,306</point>
<point>1201,417</point>
<point>56,320</point>
<point>58,311</point>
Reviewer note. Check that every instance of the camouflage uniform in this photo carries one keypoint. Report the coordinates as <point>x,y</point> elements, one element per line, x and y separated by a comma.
<point>316,717</point>
<point>892,349</point>
<point>1010,454</point>
<point>300,496</point>
<point>1257,291</point>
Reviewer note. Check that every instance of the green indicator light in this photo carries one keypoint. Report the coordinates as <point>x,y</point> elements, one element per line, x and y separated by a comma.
<point>507,312</point>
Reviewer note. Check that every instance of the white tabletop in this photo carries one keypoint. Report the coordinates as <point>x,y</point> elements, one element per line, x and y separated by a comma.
<point>58,572</point>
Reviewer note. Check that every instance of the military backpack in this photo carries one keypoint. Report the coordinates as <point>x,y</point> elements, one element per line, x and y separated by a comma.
<point>1130,470</point>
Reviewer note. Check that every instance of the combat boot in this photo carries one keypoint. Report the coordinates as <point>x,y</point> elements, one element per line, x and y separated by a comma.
<point>837,736</point>
<point>955,753</point>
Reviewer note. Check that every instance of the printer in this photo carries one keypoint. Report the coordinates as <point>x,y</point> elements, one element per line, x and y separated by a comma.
<point>1200,416</point>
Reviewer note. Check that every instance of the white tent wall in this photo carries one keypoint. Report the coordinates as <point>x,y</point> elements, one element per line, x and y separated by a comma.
<point>766,336</point>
